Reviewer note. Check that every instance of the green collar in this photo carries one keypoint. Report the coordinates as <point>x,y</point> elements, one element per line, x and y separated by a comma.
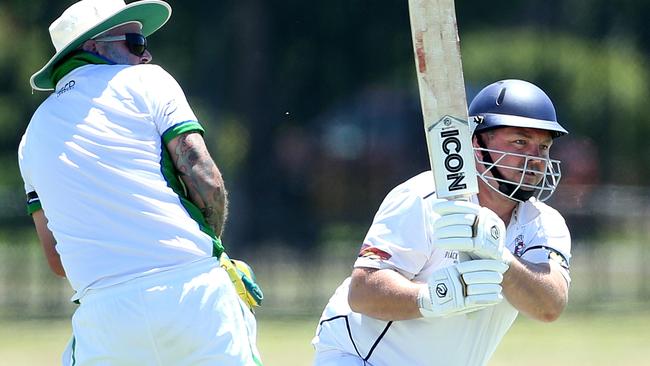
<point>74,60</point>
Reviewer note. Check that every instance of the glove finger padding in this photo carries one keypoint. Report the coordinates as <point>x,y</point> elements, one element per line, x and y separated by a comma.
<point>483,289</point>
<point>460,244</point>
<point>453,231</point>
<point>468,227</point>
<point>482,277</point>
<point>448,292</point>
<point>482,265</point>
<point>454,219</point>
<point>484,300</point>
<point>443,208</point>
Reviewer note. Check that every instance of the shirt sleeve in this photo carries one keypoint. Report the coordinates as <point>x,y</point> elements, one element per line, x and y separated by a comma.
<point>33,202</point>
<point>168,105</point>
<point>397,238</point>
<point>552,242</point>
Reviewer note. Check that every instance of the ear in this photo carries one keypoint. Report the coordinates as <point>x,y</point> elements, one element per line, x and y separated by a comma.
<point>475,141</point>
<point>475,145</point>
<point>90,46</point>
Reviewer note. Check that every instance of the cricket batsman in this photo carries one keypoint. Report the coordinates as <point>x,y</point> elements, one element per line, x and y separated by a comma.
<point>412,299</point>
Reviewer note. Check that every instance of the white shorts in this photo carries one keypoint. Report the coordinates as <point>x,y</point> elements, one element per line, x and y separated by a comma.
<point>189,315</point>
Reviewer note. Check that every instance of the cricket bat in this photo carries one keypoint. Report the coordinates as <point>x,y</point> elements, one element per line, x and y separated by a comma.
<point>436,47</point>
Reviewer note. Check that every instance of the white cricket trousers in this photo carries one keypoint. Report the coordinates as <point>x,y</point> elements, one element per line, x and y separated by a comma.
<point>189,315</point>
<point>337,358</point>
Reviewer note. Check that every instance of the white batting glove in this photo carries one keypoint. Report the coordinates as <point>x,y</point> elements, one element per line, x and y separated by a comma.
<point>468,227</point>
<point>462,288</point>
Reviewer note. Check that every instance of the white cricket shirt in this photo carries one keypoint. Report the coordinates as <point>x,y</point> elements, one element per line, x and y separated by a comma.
<point>94,156</point>
<point>398,239</point>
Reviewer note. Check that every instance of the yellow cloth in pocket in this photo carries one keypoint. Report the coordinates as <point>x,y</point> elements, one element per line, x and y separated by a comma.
<point>243,278</point>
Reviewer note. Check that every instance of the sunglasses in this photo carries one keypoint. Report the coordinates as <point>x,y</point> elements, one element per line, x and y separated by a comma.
<point>137,43</point>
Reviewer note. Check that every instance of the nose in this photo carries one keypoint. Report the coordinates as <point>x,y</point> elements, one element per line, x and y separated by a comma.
<point>146,57</point>
<point>537,163</point>
<point>536,157</point>
<point>538,151</point>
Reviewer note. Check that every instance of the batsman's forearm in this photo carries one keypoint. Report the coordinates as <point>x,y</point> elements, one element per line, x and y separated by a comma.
<point>537,290</point>
<point>383,294</point>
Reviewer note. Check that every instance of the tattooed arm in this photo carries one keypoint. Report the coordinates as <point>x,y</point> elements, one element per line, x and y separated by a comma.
<point>201,177</point>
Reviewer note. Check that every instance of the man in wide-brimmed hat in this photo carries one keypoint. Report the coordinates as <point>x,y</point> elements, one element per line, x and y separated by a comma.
<point>127,202</point>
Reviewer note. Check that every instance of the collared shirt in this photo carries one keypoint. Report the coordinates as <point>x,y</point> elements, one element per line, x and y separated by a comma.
<point>399,239</point>
<point>94,158</point>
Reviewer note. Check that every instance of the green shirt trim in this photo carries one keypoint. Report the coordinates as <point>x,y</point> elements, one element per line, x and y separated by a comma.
<point>174,181</point>
<point>75,60</point>
<point>181,128</point>
<point>33,207</point>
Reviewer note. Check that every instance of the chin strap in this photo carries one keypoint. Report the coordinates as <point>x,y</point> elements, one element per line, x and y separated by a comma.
<point>504,187</point>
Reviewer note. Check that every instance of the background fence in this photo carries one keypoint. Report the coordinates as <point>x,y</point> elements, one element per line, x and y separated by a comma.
<point>311,112</point>
<point>609,267</point>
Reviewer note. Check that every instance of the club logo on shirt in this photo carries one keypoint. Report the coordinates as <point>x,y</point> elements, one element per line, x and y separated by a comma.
<point>67,87</point>
<point>170,108</point>
<point>441,290</point>
<point>370,252</point>
<point>519,246</point>
<point>494,231</point>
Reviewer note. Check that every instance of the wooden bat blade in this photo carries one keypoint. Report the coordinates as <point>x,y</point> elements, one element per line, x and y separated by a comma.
<point>439,70</point>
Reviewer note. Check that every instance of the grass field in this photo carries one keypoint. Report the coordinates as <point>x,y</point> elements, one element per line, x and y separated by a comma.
<point>574,340</point>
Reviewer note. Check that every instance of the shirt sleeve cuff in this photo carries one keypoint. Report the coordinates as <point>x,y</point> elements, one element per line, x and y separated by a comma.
<point>181,128</point>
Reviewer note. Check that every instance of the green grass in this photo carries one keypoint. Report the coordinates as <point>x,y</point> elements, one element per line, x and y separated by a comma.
<point>589,339</point>
<point>33,342</point>
<point>573,340</point>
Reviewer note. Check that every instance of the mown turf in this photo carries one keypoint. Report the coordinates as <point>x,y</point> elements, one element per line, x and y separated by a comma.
<point>575,340</point>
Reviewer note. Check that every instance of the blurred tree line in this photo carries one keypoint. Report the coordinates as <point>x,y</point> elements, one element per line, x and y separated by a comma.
<point>311,108</point>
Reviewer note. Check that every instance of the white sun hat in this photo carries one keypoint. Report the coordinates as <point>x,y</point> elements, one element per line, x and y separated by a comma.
<point>87,19</point>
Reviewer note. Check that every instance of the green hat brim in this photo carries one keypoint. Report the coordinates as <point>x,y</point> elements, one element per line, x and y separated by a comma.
<point>152,14</point>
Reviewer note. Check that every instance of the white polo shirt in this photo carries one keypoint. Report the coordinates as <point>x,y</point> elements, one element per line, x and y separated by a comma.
<point>94,157</point>
<point>399,239</point>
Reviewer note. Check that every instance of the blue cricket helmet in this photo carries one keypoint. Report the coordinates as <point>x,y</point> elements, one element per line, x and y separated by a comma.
<point>514,103</point>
